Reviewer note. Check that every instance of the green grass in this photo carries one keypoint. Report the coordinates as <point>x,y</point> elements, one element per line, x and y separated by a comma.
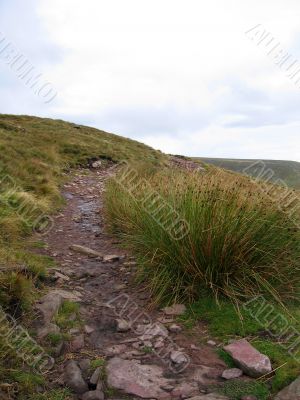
<point>147,349</point>
<point>55,338</point>
<point>224,323</point>
<point>226,358</point>
<point>55,394</point>
<point>28,380</point>
<point>97,362</point>
<point>235,389</point>
<point>39,244</point>
<point>62,319</point>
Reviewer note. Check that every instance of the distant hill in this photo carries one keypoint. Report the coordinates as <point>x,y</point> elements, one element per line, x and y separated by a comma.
<point>288,171</point>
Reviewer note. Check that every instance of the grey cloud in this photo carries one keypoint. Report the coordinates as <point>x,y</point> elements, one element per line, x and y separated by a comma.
<point>136,122</point>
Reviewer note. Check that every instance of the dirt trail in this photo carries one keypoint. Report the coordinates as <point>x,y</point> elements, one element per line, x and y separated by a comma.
<point>139,356</point>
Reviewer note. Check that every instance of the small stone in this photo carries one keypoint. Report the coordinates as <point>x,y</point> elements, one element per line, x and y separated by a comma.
<point>121,286</point>
<point>232,373</point>
<point>77,218</point>
<point>86,250</point>
<point>168,388</point>
<point>72,317</point>
<point>159,344</point>
<point>66,295</point>
<point>59,349</point>
<point>96,164</point>
<point>193,347</point>
<point>130,263</point>
<point>132,355</point>
<point>111,258</point>
<point>107,323</point>
<point>47,329</point>
<point>74,331</point>
<point>73,378</point>
<point>49,305</point>
<point>78,343</point>
<point>156,329</point>
<point>95,377</point>
<point>93,395</point>
<point>174,328</point>
<point>115,350</point>
<point>175,309</point>
<point>123,325</point>
<point>88,329</point>
<point>165,320</point>
<point>84,364</point>
<point>138,345</point>
<point>205,375</point>
<point>250,397</point>
<point>179,358</point>
<point>211,343</point>
<point>58,275</point>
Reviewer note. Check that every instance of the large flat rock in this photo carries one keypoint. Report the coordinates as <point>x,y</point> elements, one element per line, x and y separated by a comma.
<point>131,377</point>
<point>49,305</point>
<point>251,361</point>
<point>73,378</point>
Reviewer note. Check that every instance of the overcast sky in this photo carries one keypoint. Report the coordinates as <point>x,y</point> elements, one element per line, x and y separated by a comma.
<point>179,75</point>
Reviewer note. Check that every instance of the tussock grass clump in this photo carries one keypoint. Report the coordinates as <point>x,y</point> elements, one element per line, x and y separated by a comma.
<point>239,242</point>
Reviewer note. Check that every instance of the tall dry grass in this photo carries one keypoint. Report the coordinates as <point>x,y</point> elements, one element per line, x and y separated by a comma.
<point>239,242</point>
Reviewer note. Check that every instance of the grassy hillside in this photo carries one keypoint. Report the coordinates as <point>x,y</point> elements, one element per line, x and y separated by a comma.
<point>34,154</point>
<point>288,171</point>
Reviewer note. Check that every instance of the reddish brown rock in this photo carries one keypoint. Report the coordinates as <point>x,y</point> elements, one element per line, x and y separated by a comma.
<point>251,361</point>
<point>93,395</point>
<point>175,309</point>
<point>73,378</point>
<point>185,389</point>
<point>78,343</point>
<point>49,305</point>
<point>232,373</point>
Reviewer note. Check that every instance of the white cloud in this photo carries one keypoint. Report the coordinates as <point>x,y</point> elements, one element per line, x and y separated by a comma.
<point>227,142</point>
<point>179,75</point>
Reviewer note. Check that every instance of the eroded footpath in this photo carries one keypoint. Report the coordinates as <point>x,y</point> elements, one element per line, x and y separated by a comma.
<point>115,346</point>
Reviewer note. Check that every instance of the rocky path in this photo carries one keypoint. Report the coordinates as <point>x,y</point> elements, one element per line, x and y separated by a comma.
<point>141,352</point>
